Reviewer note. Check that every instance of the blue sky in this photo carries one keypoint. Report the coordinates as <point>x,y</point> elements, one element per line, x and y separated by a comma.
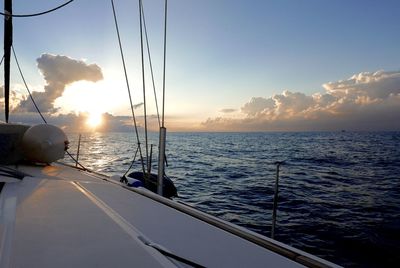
<point>221,54</point>
<point>296,45</point>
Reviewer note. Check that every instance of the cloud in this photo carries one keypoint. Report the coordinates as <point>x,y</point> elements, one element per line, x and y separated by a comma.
<point>380,84</point>
<point>258,105</point>
<point>365,101</point>
<point>227,110</point>
<point>58,71</point>
<point>75,123</point>
<point>15,99</point>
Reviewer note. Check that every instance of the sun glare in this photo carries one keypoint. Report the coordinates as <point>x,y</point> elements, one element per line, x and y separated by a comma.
<point>94,120</point>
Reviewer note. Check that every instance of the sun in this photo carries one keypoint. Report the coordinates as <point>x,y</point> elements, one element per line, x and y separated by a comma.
<point>94,120</point>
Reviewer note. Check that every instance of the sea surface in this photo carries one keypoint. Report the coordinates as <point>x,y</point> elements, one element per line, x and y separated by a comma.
<point>339,192</point>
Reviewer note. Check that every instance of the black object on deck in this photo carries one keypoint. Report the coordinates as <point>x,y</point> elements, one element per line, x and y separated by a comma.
<point>150,183</point>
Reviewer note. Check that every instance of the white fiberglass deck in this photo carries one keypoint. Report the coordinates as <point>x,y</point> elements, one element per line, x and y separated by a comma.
<point>63,217</point>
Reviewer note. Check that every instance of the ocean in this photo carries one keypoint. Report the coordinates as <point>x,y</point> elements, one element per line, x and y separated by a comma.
<point>339,192</point>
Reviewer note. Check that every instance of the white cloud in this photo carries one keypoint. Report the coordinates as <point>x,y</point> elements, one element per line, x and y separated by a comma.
<point>365,101</point>
<point>15,98</point>
<point>291,104</point>
<point>258,105</point>
<point>374,85</point>
<point>58,71</point>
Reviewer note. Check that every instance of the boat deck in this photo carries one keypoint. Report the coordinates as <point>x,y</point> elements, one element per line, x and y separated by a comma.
<point>59,216</point>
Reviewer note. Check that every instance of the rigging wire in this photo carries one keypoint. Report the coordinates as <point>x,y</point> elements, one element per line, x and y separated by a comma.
<point>151,71</point>
<point>165,59</point>
<point>37,108</point>
<point>26,85</point>
<point>144,86</point>
<point>36,14</point>
<point>163,130</point>
<point>151,67</point>
<point>127,85</point>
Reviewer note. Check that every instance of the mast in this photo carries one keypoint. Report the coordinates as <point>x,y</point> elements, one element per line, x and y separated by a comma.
<point>7,54</point>
<point>163,130</point>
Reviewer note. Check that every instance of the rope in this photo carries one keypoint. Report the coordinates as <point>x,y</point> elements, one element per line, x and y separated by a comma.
<point>26,86</point>
<point>144,85</point>
<point>151,68</point>
<point>174,256</point>
<point>12,173</point>
<point>134,158</point>
<point>36,14</point>
<point>76,161</point>
<point>165,59</point>
<point>127,84</point>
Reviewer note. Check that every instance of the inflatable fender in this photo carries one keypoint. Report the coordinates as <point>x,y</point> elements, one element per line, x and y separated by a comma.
<point>44,143</point>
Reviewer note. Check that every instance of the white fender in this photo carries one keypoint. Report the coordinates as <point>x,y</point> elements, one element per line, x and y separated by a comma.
<point>44,143</point>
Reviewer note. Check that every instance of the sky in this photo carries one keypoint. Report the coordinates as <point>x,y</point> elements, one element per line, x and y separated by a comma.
<point>232,65</point>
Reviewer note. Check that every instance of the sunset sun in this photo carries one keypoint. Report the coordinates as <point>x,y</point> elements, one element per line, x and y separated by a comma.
<point>94,120</point>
